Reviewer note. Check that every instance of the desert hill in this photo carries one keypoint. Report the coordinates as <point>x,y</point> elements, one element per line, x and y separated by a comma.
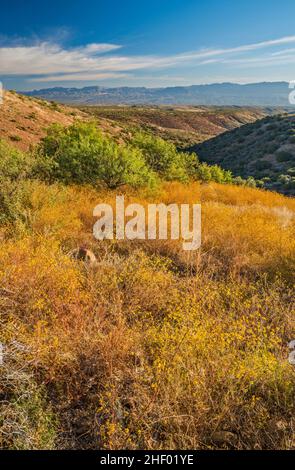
<point>264,149</point>
<point>24,119</point>
<point>182,125</point>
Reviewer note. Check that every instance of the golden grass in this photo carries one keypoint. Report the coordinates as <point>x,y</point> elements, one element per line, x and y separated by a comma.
<point>154,348</point>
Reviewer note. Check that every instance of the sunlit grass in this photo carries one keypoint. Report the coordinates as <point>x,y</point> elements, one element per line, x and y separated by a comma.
<point>154,347</point>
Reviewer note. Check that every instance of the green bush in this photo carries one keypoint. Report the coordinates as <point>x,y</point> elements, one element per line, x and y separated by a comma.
<point>250,182</point>
<point>81,154</point>
<point>171,164</point>
<point>15,168</point>
<point>14,164</point>
<point>207,173</point>
<point>164,158</point>
<point>239,181</point>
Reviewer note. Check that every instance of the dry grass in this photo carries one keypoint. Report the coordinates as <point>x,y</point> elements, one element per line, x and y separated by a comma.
<point>153,348</point>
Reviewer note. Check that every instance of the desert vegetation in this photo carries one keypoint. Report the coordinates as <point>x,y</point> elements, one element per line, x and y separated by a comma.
<point>184,126</point>
<point>263,150</point>
<point>153,347</point>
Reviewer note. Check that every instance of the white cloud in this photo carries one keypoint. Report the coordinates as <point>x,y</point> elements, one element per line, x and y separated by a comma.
<point>50,62</point>
<point>98,48</point>
<point>283,52</point>
<point>78,77</point>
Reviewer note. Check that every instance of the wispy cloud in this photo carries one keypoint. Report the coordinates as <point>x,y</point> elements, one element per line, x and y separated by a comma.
<point>284,51</point>
<point>45,62</point>
<point>78,77</point>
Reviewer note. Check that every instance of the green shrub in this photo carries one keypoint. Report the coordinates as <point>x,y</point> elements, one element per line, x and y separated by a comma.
<point>81,154</point>
<point>15,168</point>
<point>250,182</point>
<point>163,157</point>
<point>14,164</point>
<point>206,173</point>
<point>238,181</point>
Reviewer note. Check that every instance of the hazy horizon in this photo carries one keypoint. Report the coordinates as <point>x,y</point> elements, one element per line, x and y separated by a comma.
<point>152,88</point>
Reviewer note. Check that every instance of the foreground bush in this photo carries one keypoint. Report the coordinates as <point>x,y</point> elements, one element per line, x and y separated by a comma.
<point>164,158</point>
<point>81,154</point>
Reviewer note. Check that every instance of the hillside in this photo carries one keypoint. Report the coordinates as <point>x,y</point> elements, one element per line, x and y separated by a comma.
<point>183,125</point>
<point>24,120</point>
<point>264,149</point>
<point>221,94</point>
<point>142,345</point>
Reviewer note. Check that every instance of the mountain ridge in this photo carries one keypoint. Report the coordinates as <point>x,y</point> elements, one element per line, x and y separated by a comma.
<point>220,94</point>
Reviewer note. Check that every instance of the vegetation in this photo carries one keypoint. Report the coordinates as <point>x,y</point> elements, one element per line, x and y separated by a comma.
<point>81,154</point>
<point>263,150</point>
<point>183,126</point>
<point>154,347</point>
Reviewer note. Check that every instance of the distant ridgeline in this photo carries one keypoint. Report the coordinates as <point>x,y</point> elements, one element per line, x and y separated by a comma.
<point>219,94</point>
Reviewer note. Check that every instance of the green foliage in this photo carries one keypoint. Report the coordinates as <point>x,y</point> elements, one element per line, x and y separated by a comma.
<point>13,163</point>
<point>81,154</point>
<point>15,167</point>
<point>164,158</point>
<point>250,182</point>
<point>238,181</point>
<point>171,164</point>
<point>257,150</point>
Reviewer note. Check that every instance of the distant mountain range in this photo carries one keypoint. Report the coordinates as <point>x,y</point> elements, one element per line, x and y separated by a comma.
<point>218,94</point>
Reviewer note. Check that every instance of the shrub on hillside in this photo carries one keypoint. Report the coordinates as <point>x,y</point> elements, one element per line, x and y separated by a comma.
<point>81,154</point>
<point>15,167</point>
<point>14,164</point>
<point>171,164</point>
<point>250,182</point>
<point>164,158</point>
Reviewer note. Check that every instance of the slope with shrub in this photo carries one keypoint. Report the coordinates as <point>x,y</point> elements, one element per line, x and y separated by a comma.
<point>155,347</point>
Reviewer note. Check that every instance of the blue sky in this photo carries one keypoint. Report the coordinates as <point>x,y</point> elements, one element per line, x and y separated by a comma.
<point>145,43</point>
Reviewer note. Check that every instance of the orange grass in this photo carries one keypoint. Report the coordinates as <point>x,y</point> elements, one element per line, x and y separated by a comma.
<point>154,348</point>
